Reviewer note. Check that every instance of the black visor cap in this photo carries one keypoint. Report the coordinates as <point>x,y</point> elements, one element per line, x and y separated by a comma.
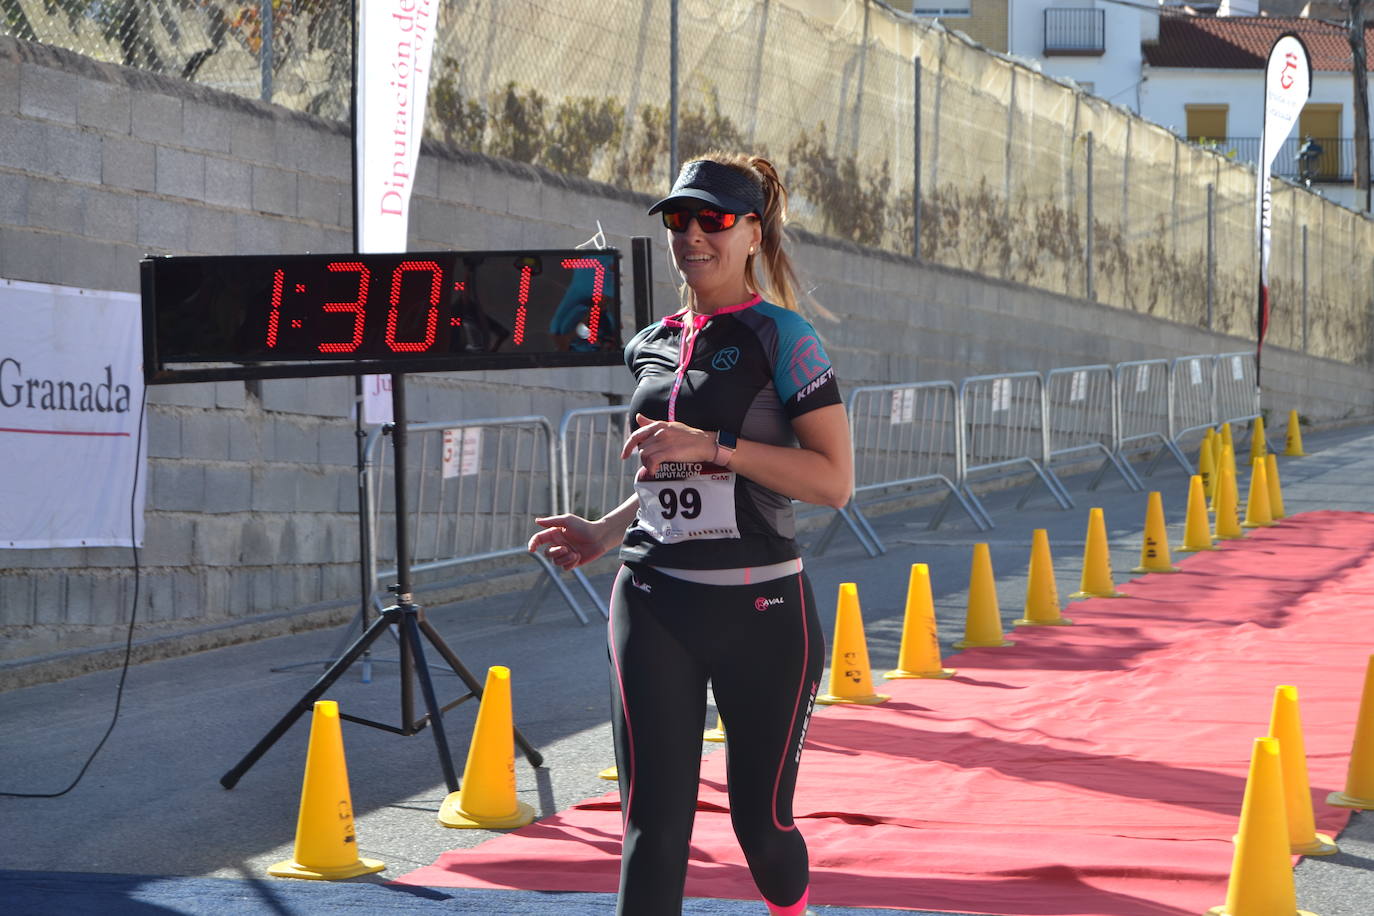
<point>705,182</point>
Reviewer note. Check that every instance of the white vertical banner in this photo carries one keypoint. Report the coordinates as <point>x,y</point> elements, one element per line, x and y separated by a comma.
<point>395,44</point>
<point>1287,83</point>
<point>71,391</point>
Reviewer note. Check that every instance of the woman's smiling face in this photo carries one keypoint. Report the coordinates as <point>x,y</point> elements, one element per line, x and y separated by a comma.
<point>713,263</point>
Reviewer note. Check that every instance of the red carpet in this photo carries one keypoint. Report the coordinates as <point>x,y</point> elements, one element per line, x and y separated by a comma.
<point>1093,769</point>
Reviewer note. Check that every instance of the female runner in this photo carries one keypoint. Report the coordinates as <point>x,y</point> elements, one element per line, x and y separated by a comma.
<point>738,413</point>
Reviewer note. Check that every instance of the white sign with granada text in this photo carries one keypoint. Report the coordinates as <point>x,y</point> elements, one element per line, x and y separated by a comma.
<point>71,394</point>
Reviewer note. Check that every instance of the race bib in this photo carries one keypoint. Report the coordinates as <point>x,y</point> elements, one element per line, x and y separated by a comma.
<point>687,500</point>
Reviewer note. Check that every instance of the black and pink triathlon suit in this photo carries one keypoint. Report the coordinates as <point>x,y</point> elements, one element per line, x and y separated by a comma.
<point>712,589</point>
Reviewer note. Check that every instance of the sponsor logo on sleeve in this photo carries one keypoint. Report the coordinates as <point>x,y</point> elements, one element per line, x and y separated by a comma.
<point>807,360</point>
<point>811,387</point>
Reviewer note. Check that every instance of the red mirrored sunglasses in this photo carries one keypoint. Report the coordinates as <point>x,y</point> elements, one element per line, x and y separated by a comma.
<point>708,219</point>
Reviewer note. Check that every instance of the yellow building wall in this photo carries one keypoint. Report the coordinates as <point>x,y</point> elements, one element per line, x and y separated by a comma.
<point>985,24</point>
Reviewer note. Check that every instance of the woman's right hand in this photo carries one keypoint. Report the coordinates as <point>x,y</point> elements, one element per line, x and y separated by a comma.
<point>569,541</point>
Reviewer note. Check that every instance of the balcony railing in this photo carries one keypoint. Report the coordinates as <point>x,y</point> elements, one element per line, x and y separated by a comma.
<point>1075,31</point>
<point>1336,162</point>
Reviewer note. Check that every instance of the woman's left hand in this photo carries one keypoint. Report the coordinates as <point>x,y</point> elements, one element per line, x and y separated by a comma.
<point>660,440</point>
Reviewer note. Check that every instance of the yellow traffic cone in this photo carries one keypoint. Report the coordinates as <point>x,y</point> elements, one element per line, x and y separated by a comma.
<point>1261,870</point>
<point>1228,458</point>
<point>326,844</point>
<point>851,680</point>
<point>919,655</point>
<point>610,773</point>
<point>1227,441</point>
<point>487,797</point>
<point>1216,462</point>
<point>1292,444</point>
<point>1285,724</point>
<point>1258,447</point>
<point>1359,780</point>
<point>1097,562</point>
<point>1271,473</point>
<point>1228,527</point>
<point>1197,531</point>
<point>1207,466</point>
<point>983,626</point>
<point>1042,592</point>
<point>1154,553</point>
<point>1257,503</point>
<point>715,735</point>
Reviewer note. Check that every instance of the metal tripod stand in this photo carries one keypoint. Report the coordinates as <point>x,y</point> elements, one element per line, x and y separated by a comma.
<point>412,633</point>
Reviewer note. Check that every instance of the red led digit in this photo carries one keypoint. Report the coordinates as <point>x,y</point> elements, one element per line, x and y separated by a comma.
<point>598,283</point>
<point>523,297</point>
<point>358,307</point>
<point>274,316</point>
<point>392,316</point>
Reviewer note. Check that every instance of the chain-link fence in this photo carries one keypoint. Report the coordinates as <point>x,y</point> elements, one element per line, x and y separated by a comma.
<point>293,52</point>
<point>891,132</point>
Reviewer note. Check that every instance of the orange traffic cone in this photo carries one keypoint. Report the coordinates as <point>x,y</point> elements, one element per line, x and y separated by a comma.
<point>326,844</point>
<point>487,797</point>
<point>1257,503</point>
<point>1228,527</point>
<point>1271,473</point>
<point>1097,562</point>
<point>1261,870</point>
<point>1293,441</point>
<point>1207,465</point>
<point>1258,447</point>
<point>715,735</point>
<point>1154,553</point>
<point>1359,780</point>
<point>851,680</point>
<point>919,655</point>
<point>1042,592</point>
<point>983,626</point>
<point>1197,531</point>
<point>1285,724</point>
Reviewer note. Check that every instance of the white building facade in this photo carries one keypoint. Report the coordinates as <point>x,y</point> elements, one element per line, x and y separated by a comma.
<point>1095,44</point>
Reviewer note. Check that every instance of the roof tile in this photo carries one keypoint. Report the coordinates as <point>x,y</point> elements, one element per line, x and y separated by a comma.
<point>1243,42</point>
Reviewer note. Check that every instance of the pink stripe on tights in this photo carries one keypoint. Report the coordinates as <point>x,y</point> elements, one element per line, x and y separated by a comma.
<point>796,909</point>
<point>625,707</point>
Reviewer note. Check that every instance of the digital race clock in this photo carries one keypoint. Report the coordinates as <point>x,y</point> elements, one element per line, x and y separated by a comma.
<point>342,314</point>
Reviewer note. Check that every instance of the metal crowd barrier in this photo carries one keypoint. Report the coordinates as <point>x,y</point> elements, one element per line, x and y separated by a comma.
<point>593,479</point>
<point>474,486</point>
<point>1192,397</point>
<point>905,436</point>
<point>1080,409</point>
<point>1002,418</point>
<point>1143,412</point>
<point>1207,391</point>
<point>1237,393</point>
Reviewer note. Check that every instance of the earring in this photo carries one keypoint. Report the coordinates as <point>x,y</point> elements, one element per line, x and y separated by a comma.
<point>751,249</point>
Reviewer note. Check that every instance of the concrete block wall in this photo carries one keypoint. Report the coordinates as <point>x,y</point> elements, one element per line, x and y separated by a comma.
<point>251,498</point>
